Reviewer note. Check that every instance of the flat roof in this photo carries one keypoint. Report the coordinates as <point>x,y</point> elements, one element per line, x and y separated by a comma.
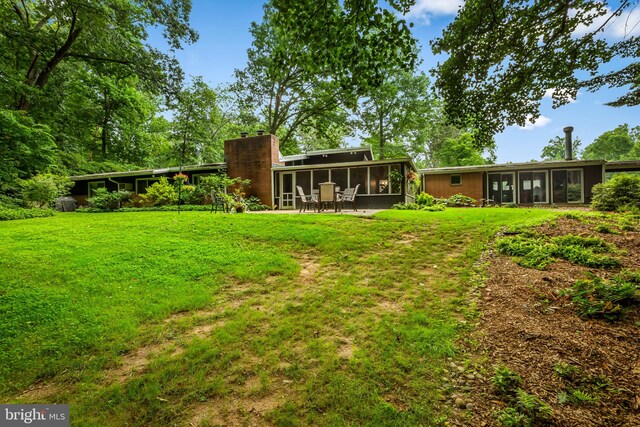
<point>189,168</point>
<point>308,154</point>
<point>509,166</point>
<point>359,163</point>
<point>617,165</point>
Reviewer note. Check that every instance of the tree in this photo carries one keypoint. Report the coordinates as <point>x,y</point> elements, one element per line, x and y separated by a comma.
<point>613,144</point>
<point>396,111</point>
<point>505,55</point>
<point>353,41</point>
<point>284,85</point>
<point>555,149</point>
<point>197,118</point>
<point>460,151</point>
<point>38,36</point>
<point>25,148</point>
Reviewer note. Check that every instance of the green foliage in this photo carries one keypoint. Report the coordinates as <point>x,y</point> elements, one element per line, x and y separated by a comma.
<point>555,149</point>
<point>460,151</point>
<point>425,199</point>
<point>576,397</point>
<point>506,381</point>
<point>193,195</point>
<point>416,207</point>
<point>254,204</point>
<point>502,53</point>
<point>538,252</point>
<point>622,191</point>
<point>614,144</point>
<point>104,200</point>
<point>567,371</point>
<point>26,148</point>
<point>160,193</point>
<point>460,200</point>
<point>596,297</point>
<point>22,213</point>
<point>524,409</point>
<point>42,190</point>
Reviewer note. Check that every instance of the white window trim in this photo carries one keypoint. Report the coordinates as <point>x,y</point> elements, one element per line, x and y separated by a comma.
<point>547,186</point>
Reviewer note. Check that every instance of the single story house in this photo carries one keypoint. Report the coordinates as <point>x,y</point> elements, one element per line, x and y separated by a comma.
<point>559,182</point>
<point>274,177</point>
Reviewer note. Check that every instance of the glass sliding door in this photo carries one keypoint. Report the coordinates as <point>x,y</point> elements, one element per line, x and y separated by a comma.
<point>533,187</point>
<point>501,187</point>
<point>567,186</point>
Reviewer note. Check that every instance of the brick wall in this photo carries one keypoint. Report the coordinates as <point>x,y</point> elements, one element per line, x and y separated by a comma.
<point>440,185</point>
<point>252,158</point>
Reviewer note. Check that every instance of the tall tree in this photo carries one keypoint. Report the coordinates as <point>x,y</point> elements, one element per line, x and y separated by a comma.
<point>283,84</point>
<point>40,35</point>
<point>504,55</point>
<point>395,112</point>
<point>613,144</point>
<point>556,149</point>
<point>196,120</point>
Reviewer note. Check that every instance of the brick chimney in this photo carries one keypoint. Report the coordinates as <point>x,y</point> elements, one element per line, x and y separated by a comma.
<point>251,157</point>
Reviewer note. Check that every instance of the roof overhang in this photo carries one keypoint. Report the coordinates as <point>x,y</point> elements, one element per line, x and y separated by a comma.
<point>622,165</point>
<point>190,168</point>
<point>360,163</point>
<point>554,164</point>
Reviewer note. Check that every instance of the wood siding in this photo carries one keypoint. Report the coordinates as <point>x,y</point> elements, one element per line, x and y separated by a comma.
<point>440,185</point>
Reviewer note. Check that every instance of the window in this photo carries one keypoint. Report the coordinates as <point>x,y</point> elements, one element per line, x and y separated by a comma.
<point>456,179</point>
<point>533,187</point>
<point>125,186</point>
<point>320,176</point>
<point>143,183</point>
<point>93,186</point>
<point>396,179</point>
<point>379,180</point>
<point>339,176</point>
<point>358,176</point>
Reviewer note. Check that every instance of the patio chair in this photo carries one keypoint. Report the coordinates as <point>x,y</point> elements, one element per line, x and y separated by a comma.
<point>349,196</point>
<point>219,201</point>
<point>306,201</point>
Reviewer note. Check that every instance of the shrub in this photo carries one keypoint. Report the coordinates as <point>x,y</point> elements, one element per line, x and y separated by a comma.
<point>104,200</point>
<point>254,204</point>
<point>43,189</point>
<point>21,213</point>
<point>416,207</point>
<point>9,202</point>
<point>193,195</point>
<point>460,200</point>
<point>537,252</point>
<point>595,297</point>
<point>161,193</point>
<point>425,199</point>
<point>620,192</point>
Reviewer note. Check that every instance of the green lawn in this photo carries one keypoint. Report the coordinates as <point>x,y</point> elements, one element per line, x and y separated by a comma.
<point>161,319</point>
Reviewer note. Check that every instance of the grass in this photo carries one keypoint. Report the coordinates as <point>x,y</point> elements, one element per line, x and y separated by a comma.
<point>159,319</point>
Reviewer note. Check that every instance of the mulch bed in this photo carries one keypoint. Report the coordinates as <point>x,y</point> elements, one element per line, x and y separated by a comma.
<point>527,327</point>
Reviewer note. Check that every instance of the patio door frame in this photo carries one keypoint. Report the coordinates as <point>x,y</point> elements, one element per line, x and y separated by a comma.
<point>514,186</point>
<point>288,202</point>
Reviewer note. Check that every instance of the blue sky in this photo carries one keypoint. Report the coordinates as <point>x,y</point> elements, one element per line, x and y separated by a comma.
<point>224,39</point>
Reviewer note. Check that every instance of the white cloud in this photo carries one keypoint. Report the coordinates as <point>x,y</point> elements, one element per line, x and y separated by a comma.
<point>627,24</point>
<point>549,94</point>
<point>423,10</point>
<point>533,124</point>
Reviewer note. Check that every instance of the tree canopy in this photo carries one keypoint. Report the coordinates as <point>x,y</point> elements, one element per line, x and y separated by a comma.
<point>616,144</point>
<point>504,56</point>
<point>555,149</point>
